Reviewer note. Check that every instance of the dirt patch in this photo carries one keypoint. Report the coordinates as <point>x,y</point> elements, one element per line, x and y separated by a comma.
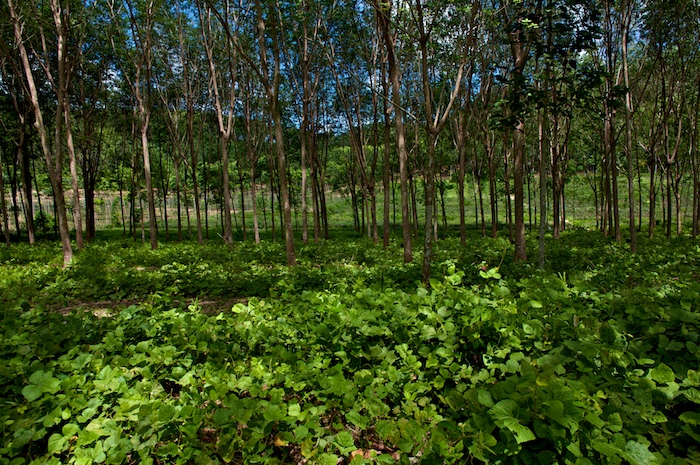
<point>108,308</point>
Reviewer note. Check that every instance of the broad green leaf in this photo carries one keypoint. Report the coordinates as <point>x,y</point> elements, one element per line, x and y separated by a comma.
<point>275,413</point>
<point>70,429</point>
<point>327,459</point>
<point>692,394</point>
<point>692,379</point>
<point>690,417</point>
<point>505,415</point>
<point>555,411</point>
<point>484,397</point>
<point>357,419</point>
<point>166,413</point>
<point>662,374</point>
<point>614,422</point>
<point>639,454</point>
<point>344,439</point>
<point>40,382</point>
<point>294,410</point>
<point>56,443</point>
<point>432,361</point>
<point>32,392</point>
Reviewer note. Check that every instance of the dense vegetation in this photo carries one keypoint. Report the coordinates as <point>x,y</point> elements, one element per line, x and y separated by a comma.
<point>262,110</point>
<point>223,354</point>
<point>264,149</point>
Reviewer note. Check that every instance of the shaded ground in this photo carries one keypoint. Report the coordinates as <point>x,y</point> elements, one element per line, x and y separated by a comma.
<point>108,307</point>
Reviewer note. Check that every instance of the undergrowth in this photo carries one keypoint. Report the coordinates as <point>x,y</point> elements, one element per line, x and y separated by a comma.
<point>346,358</point>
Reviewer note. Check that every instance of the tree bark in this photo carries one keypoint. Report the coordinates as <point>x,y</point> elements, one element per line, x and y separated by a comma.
<point>54,162</point>
<point>394,76</point>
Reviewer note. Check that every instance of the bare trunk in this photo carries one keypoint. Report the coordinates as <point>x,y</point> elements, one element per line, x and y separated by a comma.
<point>543,151</point>
<point>386,178</point>
<point>25,168</point>
<point>77,213</point>
<point>518,190</point>
<point>152,228</point>
<point>628,127</point>
<point>3,208</point>
<point>389,39</point>
<point>54,163</point>
<point>274,108</point>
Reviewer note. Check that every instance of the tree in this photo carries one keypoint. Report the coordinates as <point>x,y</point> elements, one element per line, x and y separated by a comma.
<point>219,80</point>
<point>52,152</point>
<point>435,119</point>
<point>389,39</point>
<point>136,24</point>
<point>521,21</point>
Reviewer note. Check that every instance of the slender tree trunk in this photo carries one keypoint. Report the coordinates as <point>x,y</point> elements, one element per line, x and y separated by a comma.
<point>193,167</point>
<point>77,213</point>
<point>272,90</point>
<point>460,133</point>
<point>506,187</point>
<point>429,207</point>
<point>493,198</point>
<point>3,207</point>
<point>176,167</point>
<point>25,168</point>
<point>54,163</point>
<point>543,175</point>
<point>386,174</point>
<point>518,190</point>
<point>389,42</point>
<point>254,201</point>
<point>652,194</point>
<point>153,232</point>
<point>627,16</point>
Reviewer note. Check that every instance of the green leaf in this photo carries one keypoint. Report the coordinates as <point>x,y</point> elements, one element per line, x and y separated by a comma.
<point>662,374</point>
<point>555,411</point>
<point>56,443</point>
<point>70,429</point>
<point>484,398</point>
<point>344,439</point>
<point>615,422</point>
<point>505,415</point>
<point>39,383</point>
<point>432,361</point>
<point>692,395</point>
<point>166,413</point>
<point>275,413</point>
<point>327,459</point>
<point>639,454</point>
<point>357,419</point>
<point>692,379</point>
<point>32,392</point>
<point>294,410</point>
<point>690,417</point>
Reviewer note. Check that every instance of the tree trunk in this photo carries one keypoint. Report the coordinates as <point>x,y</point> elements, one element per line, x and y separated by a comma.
<point>518,190</point>
<point>272,86</point>
<point>460,135</point>
<point>626,20</point>
<point>3,207</point>
<point>77,213</point>
<point>153,233</point>
<point>389,42</point>
<point>54,163</point>
<point>25,168</point>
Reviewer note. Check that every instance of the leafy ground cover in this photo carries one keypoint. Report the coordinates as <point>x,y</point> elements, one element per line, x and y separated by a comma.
<point>347,359</point>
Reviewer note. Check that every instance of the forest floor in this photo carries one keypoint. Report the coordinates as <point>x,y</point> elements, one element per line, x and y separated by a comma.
<point>222,354</point>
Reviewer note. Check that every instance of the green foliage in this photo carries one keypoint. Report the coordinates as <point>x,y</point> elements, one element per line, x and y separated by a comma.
<point>346,358</point>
